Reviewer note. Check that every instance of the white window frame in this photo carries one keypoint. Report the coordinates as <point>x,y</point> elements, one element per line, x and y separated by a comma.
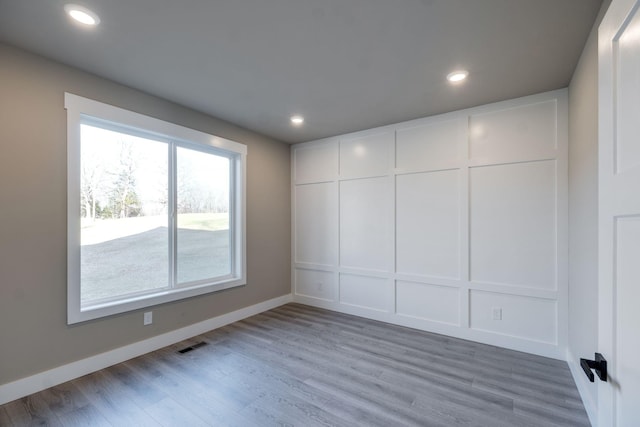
<point>84,110</point>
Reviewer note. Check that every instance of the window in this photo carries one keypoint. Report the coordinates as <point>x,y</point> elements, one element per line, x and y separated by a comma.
<point>156,211</point>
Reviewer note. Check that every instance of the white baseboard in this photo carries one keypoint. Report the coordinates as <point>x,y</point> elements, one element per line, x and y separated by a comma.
<point>553,351</point>
<point>38,382</point>
<point>582,384</point>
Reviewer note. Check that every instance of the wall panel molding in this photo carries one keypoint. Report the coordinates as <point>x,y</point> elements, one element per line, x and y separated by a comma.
<point>454,224</point>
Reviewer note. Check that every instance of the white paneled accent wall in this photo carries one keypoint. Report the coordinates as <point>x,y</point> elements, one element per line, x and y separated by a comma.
<point>455,224</point>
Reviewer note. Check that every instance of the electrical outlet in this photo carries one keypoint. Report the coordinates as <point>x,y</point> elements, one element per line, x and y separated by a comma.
<point>497,313</point>
<point>148,318</point>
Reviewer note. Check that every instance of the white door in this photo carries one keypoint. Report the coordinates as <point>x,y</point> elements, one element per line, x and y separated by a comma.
<point>619,213</point>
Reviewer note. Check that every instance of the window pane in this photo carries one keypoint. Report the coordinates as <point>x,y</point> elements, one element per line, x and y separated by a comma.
<point>124,235</point>
<point>203,239</point>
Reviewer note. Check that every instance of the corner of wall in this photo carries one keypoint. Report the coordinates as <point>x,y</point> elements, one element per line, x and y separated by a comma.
<point>583,215</point>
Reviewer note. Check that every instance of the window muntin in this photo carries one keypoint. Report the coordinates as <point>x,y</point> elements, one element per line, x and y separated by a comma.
<point>156,211</point>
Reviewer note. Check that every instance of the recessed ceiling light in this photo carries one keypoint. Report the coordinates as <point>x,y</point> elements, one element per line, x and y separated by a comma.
<point>297,120</point>
<point>82,14</point>
<point>457,76</point>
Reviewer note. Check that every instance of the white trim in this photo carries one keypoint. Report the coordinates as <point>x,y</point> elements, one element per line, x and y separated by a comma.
<point>562,220</point>
<point>81,110</point>
<point>487,108</point>
<point>589,404</point>
<point>38,382</point>
<point>136,121</point>
<point>476,335</point>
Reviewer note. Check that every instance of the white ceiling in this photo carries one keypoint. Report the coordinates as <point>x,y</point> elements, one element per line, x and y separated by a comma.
<point>346,65</point>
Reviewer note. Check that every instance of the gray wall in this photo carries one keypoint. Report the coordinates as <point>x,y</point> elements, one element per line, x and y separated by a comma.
<point>33,333</point>
<point>583,211</point>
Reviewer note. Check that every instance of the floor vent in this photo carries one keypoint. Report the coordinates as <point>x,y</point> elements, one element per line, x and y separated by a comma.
<point>192,347</point>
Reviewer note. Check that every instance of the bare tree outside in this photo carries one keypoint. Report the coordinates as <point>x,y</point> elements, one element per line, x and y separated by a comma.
<point>124,198</point>
<point>91,182</point>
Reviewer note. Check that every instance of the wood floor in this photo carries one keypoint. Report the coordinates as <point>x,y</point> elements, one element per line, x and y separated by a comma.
<point>303,366</point>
